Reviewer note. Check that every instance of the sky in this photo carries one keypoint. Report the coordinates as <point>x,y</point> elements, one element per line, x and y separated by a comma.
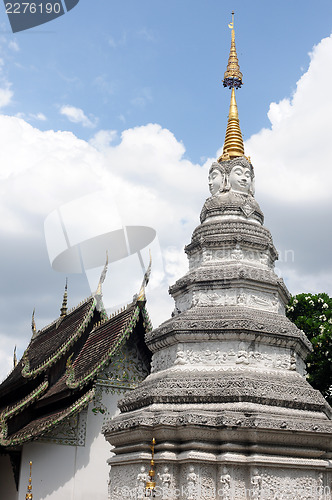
<point>111,115</point>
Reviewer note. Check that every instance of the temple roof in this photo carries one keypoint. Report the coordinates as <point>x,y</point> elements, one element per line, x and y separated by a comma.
<point>56,376</point>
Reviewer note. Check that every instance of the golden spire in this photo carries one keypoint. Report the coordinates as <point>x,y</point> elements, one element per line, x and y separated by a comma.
<point>28,496</point>
<point>233,75</point>
<point>151,484</point>
<point>63,310</point>
<point>233,145</point>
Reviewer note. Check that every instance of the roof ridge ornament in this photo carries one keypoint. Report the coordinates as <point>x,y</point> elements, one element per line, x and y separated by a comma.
<point>33,323</point>
<point>102,277</point>
<point>14,357</point>
<point>233,145</point>
<point>141,295</point>
<point>63,310</point>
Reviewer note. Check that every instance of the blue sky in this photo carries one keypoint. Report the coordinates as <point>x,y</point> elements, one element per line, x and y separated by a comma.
<point>127,96</point>
<point>135,62</point>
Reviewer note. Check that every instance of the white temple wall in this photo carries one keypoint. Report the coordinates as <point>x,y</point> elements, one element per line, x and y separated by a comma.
<point>66,472</point>
<point>7,482</point>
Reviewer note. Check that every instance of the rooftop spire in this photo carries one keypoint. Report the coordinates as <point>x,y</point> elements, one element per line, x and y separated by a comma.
<point>233,75</point>
<point>233,145</point>
<point>63,310</point>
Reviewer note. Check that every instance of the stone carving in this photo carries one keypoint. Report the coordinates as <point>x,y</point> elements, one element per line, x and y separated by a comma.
<point>216,178</point>
<point>162,359</point>
<point>142,478</point>
<point>166,483</point>
<point>256,485</point>
<point>183,302</point>
<point>225,480</point>
<point>209,354</point>
<point>224,387</point>
<point>237,253</point>
<point>192,483</point>
<point>300,486</point>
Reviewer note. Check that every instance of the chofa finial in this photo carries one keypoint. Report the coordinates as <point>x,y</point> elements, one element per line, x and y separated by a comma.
<point>102,277</point>
<point>141,295</point>
<point>14,357</point>
<point>33,323</point>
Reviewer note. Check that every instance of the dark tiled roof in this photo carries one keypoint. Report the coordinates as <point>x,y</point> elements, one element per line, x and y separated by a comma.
<point>103,340</point>
<point>54,337</point>
<point>49,389</point>
<point>39,426</point>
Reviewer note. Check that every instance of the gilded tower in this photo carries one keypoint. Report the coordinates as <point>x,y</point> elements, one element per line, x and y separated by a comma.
<point>227,398</point>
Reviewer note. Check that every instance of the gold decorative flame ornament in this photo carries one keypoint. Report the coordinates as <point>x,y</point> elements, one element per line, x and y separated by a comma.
<point>29,495</point>
<point>151,484</point>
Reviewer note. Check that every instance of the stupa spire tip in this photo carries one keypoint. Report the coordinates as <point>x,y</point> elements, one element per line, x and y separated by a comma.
<point>233,145</point>
<point>233,75</point>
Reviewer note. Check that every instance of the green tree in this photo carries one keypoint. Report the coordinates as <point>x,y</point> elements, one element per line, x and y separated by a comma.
<point>313,315</point>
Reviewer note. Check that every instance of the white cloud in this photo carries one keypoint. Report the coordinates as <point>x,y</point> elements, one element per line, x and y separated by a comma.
<point>77,115</point>
<point>13,45</point>
<point>6,95</point>
<point>103,138</point>
<point>292,157</point>
<point>32,116</point>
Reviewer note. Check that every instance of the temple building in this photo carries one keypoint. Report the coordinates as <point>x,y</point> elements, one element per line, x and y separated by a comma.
<point>227,402</point>
<point>67,384</point>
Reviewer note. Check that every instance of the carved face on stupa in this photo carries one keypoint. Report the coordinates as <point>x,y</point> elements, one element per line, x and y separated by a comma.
<point>216,178</point>
<point>240,179</point>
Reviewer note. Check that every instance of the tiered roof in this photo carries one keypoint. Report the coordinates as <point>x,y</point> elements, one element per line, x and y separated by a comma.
<point>56,376</point>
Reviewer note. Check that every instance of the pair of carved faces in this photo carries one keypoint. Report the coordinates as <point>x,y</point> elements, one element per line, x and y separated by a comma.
<point>236,175</point>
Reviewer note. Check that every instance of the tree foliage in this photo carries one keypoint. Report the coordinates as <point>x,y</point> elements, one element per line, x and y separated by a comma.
<point>313,315</point>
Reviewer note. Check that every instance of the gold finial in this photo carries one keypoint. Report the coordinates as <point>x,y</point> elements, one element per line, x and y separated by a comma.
<point>33,323</point>
<point>28,496</point>
<point>63,310</point>
<point>233,75</point>
<point>233,145</point>
<point>14,358</point>
<point>151,484</point>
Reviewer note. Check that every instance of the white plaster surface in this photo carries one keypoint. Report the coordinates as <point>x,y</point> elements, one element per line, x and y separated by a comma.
<point>62,472</point>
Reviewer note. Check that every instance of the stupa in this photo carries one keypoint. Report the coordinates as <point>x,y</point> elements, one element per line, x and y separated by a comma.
<point>227,400</point>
